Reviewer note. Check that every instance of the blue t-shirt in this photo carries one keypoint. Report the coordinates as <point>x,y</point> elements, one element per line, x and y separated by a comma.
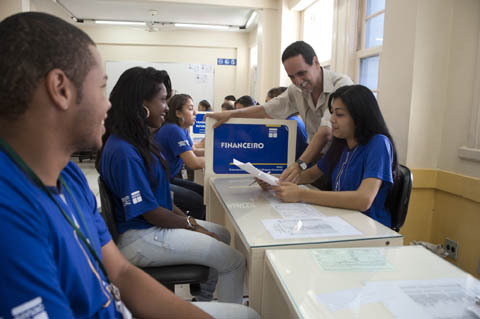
<point>134,191</point>
<point>373,160</point>
<point>302,136</point>
<point>173,141</point>
<point>44,268</point>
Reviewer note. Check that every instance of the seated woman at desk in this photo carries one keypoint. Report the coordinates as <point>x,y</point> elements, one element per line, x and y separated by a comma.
<point>153,231</point>
<point>361,163</point>
<point>177,147</point>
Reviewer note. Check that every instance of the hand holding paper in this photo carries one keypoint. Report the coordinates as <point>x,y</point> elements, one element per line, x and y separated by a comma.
<point>252,170</point>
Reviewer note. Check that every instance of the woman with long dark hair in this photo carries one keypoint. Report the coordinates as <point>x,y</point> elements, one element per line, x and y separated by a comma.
<point>153,231</point>
<point>361,163</point>
<point>178,149</point>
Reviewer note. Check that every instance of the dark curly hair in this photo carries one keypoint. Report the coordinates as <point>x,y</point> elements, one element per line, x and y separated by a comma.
<point>127,116</point>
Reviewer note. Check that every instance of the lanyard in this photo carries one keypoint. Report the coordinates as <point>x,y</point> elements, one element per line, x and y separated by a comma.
<point>27,170</point>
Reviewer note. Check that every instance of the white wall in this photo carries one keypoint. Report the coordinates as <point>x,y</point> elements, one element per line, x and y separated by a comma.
<point>117,43</point>
<point>426,81</point>
<point>463,50</point>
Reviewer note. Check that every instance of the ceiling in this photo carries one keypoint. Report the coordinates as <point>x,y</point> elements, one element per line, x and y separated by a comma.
<point>157,12</point>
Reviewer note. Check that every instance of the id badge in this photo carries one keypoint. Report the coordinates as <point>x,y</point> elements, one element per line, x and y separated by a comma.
<point>119,305</point>
<point>184,174</point>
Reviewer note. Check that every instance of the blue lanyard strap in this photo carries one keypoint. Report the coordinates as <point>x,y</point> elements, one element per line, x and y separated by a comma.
<point>27,170</point>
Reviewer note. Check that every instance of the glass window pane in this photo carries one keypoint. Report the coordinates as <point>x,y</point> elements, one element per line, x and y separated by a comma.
<point>375,6</point>
<point>317,28</point>
<point>374,32</point>
<point>369,72</point>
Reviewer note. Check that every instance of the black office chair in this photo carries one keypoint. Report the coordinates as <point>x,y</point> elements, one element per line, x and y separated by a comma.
<point>399,197</point>
<point>169,276</point>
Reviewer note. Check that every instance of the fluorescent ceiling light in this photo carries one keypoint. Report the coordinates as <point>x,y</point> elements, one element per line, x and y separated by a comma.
<point>202,26</point>
<point>120,22</point>
<point>250,20</point>
<point>302,5</point>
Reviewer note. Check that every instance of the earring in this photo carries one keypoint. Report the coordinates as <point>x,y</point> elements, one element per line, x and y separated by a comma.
<point>147,111</point>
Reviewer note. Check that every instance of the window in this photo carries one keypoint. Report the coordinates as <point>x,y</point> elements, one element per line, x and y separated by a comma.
<point>370,42</point>
<point>317,29</point>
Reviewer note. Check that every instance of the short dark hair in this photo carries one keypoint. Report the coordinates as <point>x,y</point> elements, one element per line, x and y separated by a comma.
<point>230,98</point>
<point>176,103</point>
<point>31,45</point>
<point>299,48</point>
<point>227,106</point>
<point>206,105</point>
<point>246,101</point>
<point>274,92</point>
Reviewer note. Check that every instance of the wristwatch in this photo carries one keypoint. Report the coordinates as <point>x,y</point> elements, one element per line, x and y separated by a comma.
<point>303,166</point>
<point>191,222</point>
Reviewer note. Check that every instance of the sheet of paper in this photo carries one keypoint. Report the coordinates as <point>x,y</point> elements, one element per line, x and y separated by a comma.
<point>389,294</point>
<point>436,299</point>
<point>358,259</point>
<point>252,170</point>
<point>439,298</point>
<point>292,210</point>
<point>309,228</point>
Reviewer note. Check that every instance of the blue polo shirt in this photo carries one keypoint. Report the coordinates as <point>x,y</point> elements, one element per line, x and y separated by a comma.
<point>302,136</point>
<point>45,271</point>
<point>134,191</point>
<point>173,141</point>
<point>373,160</point>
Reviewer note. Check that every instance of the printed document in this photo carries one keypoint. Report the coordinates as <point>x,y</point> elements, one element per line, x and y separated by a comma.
<point>309,228</point>
<point>292,210</point>
<point>452,298</point>
<point>356,259</point>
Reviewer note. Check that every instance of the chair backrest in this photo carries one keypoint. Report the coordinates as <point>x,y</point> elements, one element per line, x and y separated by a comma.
<point>107,209</point>
<point>399,197</point>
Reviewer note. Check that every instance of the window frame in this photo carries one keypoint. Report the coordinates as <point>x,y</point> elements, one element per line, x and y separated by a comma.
<point>363,52</point>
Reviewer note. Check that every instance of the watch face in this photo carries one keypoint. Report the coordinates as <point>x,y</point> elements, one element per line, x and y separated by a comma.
<point>193,221</point>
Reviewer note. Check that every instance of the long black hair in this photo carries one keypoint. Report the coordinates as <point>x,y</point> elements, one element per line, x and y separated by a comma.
<point>368,119</point>
<point>127,116</point>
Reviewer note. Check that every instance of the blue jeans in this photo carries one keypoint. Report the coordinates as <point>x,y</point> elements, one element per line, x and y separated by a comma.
<point>157,246</point>
<point>188,196</point>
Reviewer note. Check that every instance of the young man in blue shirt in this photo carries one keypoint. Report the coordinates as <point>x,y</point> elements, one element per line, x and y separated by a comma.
<point>58,259</point>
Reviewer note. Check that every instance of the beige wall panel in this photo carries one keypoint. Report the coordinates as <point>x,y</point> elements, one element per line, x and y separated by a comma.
<point>418,225</point>
<point>458,219</point>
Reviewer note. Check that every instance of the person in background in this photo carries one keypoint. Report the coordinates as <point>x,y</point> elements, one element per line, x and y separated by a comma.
<point>229,98</point>
<point>302,138</point>
<point>227,106</point>
<point>360,165</point>
<point>177,147</point>
<point>152,230</point>
<point>308,95</point>
<point>204,106</point>
<point>244,101</point>
<point>63,263</point>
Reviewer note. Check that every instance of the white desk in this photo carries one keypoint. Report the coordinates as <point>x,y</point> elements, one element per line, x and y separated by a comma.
<point>241,208</point>
<point>294,280</point>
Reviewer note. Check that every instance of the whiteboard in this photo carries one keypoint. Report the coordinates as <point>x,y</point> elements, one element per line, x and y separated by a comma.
<point>196,80</point>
